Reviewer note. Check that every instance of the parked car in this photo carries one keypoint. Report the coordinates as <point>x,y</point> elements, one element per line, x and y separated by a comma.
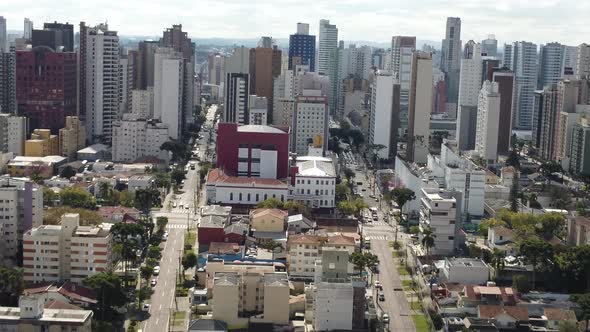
<point>156,270</point>
<point>385,318</point>
<point>154,282</point>
<point>381,296</point>
<point>146,307</point>
<point>378,284</point>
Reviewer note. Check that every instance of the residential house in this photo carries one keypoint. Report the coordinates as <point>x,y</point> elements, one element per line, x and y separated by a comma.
<point>297,224</point>
<point>503,239</point>
<point>268,220</point>
<point>67,292</point>
<point>463,270</point>
<point>505,317</point>
<point>555,316</point>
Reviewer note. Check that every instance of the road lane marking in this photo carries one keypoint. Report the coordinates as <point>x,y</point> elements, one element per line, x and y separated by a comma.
<point>157,320</point>
<point>160,307</point>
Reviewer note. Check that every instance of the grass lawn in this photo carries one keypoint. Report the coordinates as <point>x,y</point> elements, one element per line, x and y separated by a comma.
<point>415,305</point>
<point>407,284</point>
<point>402,271</point>
<point>394,254</point>
<point>421,323</point>
<point>179,317</point>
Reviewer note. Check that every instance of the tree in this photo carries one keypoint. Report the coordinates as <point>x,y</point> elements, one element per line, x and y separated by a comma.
<point>414,230</point>
<point>568,326</point>
<point>359,204</point>
<point>178,149</point>
<point>204,170</point>
<point>270,203</point>
<point>11,285</point>
<point>580,208</point>
<point>550,167</point>
<point>513,159</point>
<point>295,207</point>
<point>161,222</point>
<point>347,208</point>
<point>162,180</point>
<point>126,198</point>
<point>126,245</point>
<point>486,224</point>
<point>105,191</point>
<point>342,191</point>
<point>49,196</point>
<point>401,196</point>
<point>552,224</point>
<point>146,198</point>
<point>498,261</point>
<point>189,260</point>
<point>428,240</point>
<point>362,260</point>
<point>154,252</point>
<point>514,194</point>
<point>437,320</point>
<point>178,175</point>
<point>53,216</point>
<point>521,283</point>
<point>109,292</point>
<point>583,301</point>
<point>67,172</point>
<point>147,272</point>
<point>537,253</point>
<point>77,197</point>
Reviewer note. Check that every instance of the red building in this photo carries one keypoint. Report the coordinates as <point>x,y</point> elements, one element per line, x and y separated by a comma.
<point>46,87</point>
<point>440,97</point>
<point>253,150</point>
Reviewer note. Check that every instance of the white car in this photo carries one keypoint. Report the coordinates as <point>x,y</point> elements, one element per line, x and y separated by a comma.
<point>378,284</point>
<point>385,318</point>
<point>146,307</point>
<point>156,270</point>
<point>154,282</point>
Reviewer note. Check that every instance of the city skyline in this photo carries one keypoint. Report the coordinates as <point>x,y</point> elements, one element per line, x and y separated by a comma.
<point>508,20</point>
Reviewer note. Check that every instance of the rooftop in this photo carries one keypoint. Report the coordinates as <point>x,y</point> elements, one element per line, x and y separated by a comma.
<point>216,176</point>
<point>49,315</point>
<point>276,279</point>
<point>213,221</point>
<point>94,148</point>
<point>268,212</point>
<point>315,166</point>
<point>491,311</point>
<point>304,239</point>
<point>466,262</point>
<point>216,210</point>
<point>221,248</point>
<point>260,129</point>
<point>559,314</point>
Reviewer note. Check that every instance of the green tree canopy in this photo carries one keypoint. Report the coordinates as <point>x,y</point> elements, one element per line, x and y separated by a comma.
<point>189,260</point>
<point>49,196</point>
<point>77,197</point>
<point>583,301</point>
<point>109,292</point>
<point>401,196</point>
<point>270,203</point>
<point>362,260</point>
<point>53,216</point>
<point>11,285</point>
<point>347,208</point>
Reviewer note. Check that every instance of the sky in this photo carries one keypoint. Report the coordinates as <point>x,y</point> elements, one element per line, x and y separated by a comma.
<point>539,21</point>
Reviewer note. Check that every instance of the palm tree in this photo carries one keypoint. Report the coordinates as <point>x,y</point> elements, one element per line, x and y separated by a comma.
<point>428,240</point>
<point>498,261</point>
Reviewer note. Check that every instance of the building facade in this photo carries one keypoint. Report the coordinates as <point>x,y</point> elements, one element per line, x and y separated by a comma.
<point>302,48</point>
<point>438,213</point>
<point>135,138</point>
<point>72,137</point>
<point>488,122</point>
<point>310,122</point>
<point>168,90</point>
<point>7,80</point>
<point>42,144</point>
<point>420,107</point>
<point>314,182</point>
<point>13,133</point>
<point>451,57</point>
<point>521,58</point>
<point>469,88</point>
<point>237,87</point>
<point>385,113</point>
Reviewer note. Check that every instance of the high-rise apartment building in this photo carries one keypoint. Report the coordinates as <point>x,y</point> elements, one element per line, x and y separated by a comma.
<point>327,46</point>
<point>238,61</point>
<point>420,107</point>
<point>168,89</point>
<point>489,46</point>
<point>13,133</point>
<point>439,209</point>
<point>310,122</point>
<point>21,208</point>
<point>522,60</point>
<point>469,87</point>
<point>580,148</point>
<point>237,86</point>
<point>46,87</point>
<point>144,64</point>
<point>546,119</point>
<point>125,83</point>
<point>551,64</point>
<point>8,82</point>
<point>505,79</point>
<point>216,73</point>
<point>28,29</point>
<point>265,67</point>
<point>488,122</point>
<point>583,61</point>
<point>72,137</point>
<point>451,57</point>
<point>55,35</point>
<point>142,103</point>
<point>134,138</point>
<point>98,81</point>
<point>258,110</point>
<point>402,48</point>
<point>3,32</point>
<point>355,61</point>
<point>67,251</point>
<point>302,48</point>
<point>385,109</point>
<point>507,56</point>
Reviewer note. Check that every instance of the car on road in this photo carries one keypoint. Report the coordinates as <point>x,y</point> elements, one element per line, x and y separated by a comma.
<point>156,270</point>
<point>381,296</point>
<point>385,318</point>
<point>372,196</point>
<point>153,282</point>
<point>165,237</point>
<point>146,307</point>
<point>378,284</point>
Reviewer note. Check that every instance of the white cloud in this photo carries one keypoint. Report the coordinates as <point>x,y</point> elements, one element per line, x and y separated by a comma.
<point>539,21</point>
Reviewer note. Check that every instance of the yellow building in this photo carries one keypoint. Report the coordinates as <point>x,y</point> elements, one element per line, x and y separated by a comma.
<point>72,137</point>
<point>268,220</point>
<point>42,144</point>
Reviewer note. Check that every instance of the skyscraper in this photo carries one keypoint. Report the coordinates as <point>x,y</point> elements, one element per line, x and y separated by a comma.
<point>328,44</point>
<point>488,122</point>
<point>99,80</point>
<point>523,61</point>
<point>551,64</point>
<point>402,48</point>
<point>302,47</point>
<point>583,64</point>
<point>46,87</point>
<point>3,40</point>
<point>489,46</point>
<point>310,122</point>
<point>54,35</point>
<point>8,82</point>
<point>505,79</point>
<point>420,107</point>
<point>168,89</point>
<point>469,91</point>
<point>451,57</point>
<point>507,57</point>
<point>265,66</point>
<point>28,29</point>
<point>237,86</point>
<point>385,109</point>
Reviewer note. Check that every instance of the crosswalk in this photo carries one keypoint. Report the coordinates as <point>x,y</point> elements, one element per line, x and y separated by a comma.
<point>181,210</point>
<point>377,237</point>
<point>177,226</point>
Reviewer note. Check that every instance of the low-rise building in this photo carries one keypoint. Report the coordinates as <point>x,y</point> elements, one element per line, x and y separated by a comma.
<point>66,252</point>
<point>502,238</point>
<point>314,182</point>
<point>137,182</point>
<point>93,152</point>
<point>230,190</point>
<point>556,316</point>
<point>67,292</point>
<point>44,167</point>
<point>463,270</point>
<point>136,138</point>
<point>579,231</point>
<point>298,223</point>
<point>21,208</point>
<point>72,137</point>
<point>504,317</point>
<point>31,315</point>
<point>439,214</point>
<point>268,220</point>
<point>42,144</point>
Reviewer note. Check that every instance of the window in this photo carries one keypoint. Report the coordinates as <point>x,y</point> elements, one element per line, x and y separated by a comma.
<point>451,237</point>
<point>257,197</point>
<point>240,197</point>
<point>248,197</point>
<point>231,196</point>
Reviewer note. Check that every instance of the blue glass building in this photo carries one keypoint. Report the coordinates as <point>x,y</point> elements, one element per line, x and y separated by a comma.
<point>302,50</point>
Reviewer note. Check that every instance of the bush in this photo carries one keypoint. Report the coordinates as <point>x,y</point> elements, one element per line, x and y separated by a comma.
<point>396,245</point>
<point>521,283</point>
<point>414,230</point>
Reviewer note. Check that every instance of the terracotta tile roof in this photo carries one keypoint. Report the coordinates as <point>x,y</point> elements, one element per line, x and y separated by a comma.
<point>273,212</point>
<point>55,304</point>
<point>473,293</point>
<point>38,288</point>
<point>77,292</point>
<point>560,314</point>
<point>304,239</point>
<point>492,311</point>
<point>341,240</point>
<point>224,248</point>
<point>217,176</point>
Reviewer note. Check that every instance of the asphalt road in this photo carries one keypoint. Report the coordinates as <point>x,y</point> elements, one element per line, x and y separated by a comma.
<point>381,233</point>
<point>179,218</point>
